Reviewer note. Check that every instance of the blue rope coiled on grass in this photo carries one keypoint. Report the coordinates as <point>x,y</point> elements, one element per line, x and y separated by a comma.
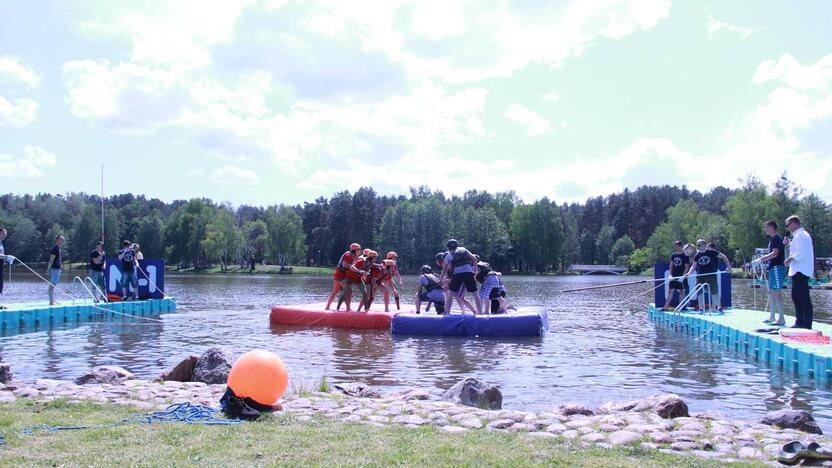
<point>181,412</point>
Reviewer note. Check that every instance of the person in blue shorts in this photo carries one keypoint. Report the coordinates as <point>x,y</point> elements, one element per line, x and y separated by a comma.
<point>776,273</point>
<point>53,268</point>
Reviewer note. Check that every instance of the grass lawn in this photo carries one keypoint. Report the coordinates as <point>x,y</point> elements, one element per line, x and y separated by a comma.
<point>280,440</point>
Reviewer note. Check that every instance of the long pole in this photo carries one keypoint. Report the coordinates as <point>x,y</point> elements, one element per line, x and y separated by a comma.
<point>102,202</point>
<point>610,285</point>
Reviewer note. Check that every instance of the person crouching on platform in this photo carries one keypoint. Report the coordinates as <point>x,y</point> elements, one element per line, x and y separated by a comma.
<point>706,266</point>
<point>776,272</point>
<point>430,290</point>
<point>680,264</point>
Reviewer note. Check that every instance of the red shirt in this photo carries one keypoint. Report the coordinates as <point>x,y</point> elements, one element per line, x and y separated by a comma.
<point>346,260</point>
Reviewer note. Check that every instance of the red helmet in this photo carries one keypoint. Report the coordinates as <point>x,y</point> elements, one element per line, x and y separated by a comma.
<point>370,253</point>
<point>392,255</point>
<point>389,263</point>
<point>366,252</point>
<point>355,246</point>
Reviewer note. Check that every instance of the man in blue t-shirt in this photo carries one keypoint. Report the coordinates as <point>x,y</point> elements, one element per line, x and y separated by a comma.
<point>679,266</point>
<point>53,268</point>
<point>128,271</point>
<point>706,267</point>
<point>776,272</point>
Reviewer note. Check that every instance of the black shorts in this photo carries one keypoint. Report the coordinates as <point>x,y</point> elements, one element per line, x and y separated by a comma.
<point>460,279</point>
<point>676,284</point>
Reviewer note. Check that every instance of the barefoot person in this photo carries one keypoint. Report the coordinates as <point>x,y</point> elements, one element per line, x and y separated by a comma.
<point>706,265</point>
<point>430,290</point>
<point>801,263</point>
<point>460,267</point>
<point>776,273</point>
<point>340,273</point>
<point>680,264</point>
<point>53,268</point>
<point>128,271</point>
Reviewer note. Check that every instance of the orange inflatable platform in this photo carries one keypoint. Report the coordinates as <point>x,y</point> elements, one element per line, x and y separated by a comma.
<point>314,315</point>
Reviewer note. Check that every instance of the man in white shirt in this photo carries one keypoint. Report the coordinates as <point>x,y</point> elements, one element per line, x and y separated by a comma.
<point>801,263</point>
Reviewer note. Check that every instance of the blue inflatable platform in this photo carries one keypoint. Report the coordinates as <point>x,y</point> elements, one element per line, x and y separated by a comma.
<point>526,321</point>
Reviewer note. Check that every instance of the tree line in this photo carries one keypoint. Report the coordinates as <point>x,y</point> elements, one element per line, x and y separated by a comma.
<point>632,228</point>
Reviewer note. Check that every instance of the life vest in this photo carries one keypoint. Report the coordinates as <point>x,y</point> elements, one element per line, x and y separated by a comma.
<point>460,256</point>
<point>433,282</point>
<point>347,259</point>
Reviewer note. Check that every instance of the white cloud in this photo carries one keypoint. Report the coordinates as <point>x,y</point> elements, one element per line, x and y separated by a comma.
<point>714,25</point>
<point>235,175</point>
<point>29,165</point>
<point>790,72</point>
<point>535,124</point>
<point>18,81</point>
<point>552,96</point>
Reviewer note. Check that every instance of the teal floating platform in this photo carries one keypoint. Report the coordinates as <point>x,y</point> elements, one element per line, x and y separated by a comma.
<point>735,331</point>
<point>24,318</point>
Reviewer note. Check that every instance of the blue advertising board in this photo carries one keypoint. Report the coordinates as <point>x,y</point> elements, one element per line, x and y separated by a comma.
<point>151,276</point>
<point>661,274</point>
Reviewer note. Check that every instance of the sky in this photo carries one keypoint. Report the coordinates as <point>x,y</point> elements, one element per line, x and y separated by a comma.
<point>275,101</point>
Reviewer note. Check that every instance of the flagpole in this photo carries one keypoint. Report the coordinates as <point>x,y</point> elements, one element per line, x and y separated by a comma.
<point>102,202</point>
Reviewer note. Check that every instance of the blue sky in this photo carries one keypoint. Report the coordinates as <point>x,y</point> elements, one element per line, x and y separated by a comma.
<point>273,101</point>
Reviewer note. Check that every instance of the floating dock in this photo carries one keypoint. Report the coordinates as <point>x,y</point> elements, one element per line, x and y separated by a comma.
<point>30,317</point>
<point>735,331</point>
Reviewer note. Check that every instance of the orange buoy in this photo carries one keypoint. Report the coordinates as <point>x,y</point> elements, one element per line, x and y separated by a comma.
<point>259,375</point>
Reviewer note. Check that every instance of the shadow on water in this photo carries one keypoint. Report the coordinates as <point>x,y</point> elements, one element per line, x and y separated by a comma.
<point>600,346</point>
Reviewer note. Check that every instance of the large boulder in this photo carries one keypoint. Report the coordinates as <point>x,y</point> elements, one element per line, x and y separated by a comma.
<point>476,393</point>
<point>182,372</point>
<point>5,374</point>
<point>105,375</point>
<point>212,367</point>
<point>667,406</point>
<point>792,419</point>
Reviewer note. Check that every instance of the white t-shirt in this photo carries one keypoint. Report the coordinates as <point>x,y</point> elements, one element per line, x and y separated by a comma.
<point>802,254</point>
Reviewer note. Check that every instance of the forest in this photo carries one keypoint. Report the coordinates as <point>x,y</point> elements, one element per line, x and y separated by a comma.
<point>632,228</point>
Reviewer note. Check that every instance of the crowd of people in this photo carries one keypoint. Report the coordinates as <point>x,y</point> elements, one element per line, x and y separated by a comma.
<point>702,261</point>
<point>128,257</point>
<point>457,272</point>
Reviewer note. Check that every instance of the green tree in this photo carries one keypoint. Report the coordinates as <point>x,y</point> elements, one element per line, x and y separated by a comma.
<point>537,235</point>
<point>816,217</point>
<point>685,222</point>
<point>285,233</point>
<point>603,244</point>
<point>85,232</point>
<point>621,250</point>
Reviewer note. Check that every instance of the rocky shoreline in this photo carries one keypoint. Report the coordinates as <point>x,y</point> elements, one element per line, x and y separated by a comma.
<point>636,423</point>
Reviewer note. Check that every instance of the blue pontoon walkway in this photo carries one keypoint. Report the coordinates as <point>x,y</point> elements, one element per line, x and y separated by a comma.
<point>29,317</point>
<point>735,331</point>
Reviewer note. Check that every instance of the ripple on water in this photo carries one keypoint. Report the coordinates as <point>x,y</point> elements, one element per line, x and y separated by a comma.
<point>600,347</point>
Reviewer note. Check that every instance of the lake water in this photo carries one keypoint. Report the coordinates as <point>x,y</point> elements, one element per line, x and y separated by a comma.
<point>600,346</point>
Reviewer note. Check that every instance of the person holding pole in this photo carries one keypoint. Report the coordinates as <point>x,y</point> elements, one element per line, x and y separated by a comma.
<point>776,272</point>
<point>679,266</point>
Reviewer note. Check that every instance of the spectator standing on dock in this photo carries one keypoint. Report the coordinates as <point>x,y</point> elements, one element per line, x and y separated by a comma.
<point>776,272</point>
<point>706,267</point>
<point>4,258</point>
<point>137,251</point>
<point>801,263</point>
<point>680,264</point>
<point>53,267</point>
<point>128,271</point>
<point>98,263</point>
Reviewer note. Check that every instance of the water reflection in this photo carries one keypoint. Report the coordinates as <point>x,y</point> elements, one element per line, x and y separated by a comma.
<point>600,346</point>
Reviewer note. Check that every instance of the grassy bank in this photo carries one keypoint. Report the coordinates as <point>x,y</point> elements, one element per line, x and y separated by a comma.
<point>281,440</point>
